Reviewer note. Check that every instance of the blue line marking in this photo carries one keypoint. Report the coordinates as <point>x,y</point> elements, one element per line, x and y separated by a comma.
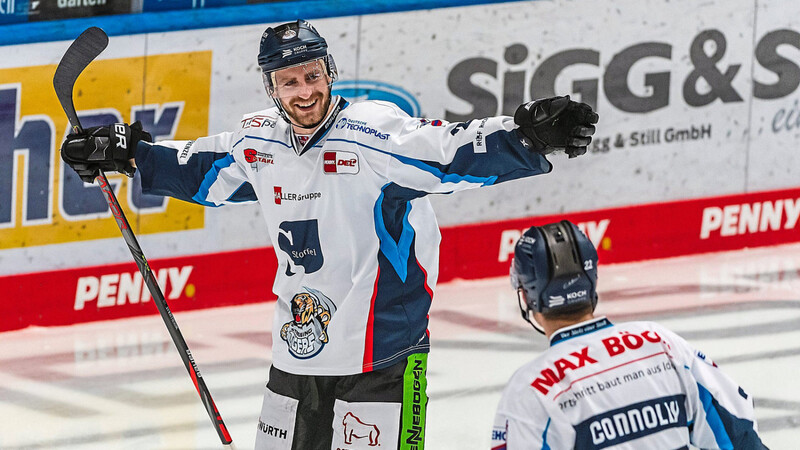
<point>227,16</point>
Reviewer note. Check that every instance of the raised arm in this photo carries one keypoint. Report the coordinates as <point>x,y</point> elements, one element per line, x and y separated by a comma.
<point>439,157</point>
<point>203,171</point>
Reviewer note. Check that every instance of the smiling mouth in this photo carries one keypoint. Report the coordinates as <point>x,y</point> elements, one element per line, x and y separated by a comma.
<point>306,107</point>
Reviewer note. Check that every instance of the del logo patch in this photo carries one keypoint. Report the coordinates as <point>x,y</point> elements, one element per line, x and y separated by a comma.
<point>340,162</point>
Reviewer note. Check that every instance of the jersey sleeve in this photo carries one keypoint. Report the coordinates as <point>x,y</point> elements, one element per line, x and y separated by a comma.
<point>720,413</point>
<point>440,157</point>
<point>203,171</point>
<point>522,422</point>
<point>510,433</point>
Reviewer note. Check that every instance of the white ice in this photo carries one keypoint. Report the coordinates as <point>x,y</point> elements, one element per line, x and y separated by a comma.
<point>121,385</point>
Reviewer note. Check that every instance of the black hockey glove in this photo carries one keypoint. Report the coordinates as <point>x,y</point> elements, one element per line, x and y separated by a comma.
<point>556,123</point>
<point>108,148</point>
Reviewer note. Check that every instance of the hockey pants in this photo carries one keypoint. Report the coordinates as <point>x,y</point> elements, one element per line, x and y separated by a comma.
<point>380,409</point>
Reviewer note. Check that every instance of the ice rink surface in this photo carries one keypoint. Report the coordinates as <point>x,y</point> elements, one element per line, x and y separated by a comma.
<point>121,385</point>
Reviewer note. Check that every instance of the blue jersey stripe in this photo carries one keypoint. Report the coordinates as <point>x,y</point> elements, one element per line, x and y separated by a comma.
<point>396,252</point>
<point>211,177</point>
<point>428,167</point>
<point>248,136</point>
<point>445,177</point>
<point>161,174</point>
<point>244,193</point>
<point>713,419</point>
<point>545,445</point>
<point>571,333</point>
<point>401,298</point>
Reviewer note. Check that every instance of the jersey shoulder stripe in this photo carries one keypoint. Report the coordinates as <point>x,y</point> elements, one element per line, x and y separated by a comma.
<point>210,178</point>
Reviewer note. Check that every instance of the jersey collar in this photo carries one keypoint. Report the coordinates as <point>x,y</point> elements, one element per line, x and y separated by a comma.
<point>579,329</point>
<point>323,129</point>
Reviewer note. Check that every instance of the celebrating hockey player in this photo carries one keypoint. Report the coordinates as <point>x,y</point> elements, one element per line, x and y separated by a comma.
<point>343,188</point>
<point>604,385</point>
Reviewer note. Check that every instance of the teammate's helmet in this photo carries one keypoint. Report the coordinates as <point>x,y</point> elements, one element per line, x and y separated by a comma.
<point>292,44</point>
<point>555,265</point>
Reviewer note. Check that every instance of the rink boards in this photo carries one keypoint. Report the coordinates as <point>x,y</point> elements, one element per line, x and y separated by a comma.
<point>471,251</point>
<point>696,149</point>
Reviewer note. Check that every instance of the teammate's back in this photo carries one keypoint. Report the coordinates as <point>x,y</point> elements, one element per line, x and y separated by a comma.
<point>629,385</point>
<point>633,385</point>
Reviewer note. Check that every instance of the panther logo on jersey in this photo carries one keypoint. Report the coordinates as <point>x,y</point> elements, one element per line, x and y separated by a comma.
<point>307,333</point>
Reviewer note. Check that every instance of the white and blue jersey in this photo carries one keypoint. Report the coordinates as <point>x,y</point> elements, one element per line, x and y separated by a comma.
<point>630,386</point>
<point>356,238</point>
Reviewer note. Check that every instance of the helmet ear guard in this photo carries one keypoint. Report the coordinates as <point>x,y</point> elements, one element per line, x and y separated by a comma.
<point>554,269</point>
<point>333,72</point>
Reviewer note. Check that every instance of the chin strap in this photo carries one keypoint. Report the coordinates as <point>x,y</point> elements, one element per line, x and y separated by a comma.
<point>281,111</point>
<point>526,311</point>
<point>537,327</point>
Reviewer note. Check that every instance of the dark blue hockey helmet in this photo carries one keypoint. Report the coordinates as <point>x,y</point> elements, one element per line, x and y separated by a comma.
<point>292,44</point>
<point>555,267</point>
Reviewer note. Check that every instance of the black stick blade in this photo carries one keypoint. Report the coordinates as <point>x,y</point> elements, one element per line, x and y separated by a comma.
<point>83,51</point>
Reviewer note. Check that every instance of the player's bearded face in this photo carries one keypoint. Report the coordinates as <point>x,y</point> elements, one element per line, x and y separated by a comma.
<point>304,91</point>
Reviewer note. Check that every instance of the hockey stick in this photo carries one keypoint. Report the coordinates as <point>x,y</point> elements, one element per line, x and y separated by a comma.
<point>82,52</point>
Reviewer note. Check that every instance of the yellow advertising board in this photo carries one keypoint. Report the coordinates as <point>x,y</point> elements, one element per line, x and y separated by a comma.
<point>41,200</point>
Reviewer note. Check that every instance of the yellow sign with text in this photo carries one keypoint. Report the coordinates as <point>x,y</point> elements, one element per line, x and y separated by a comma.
<point>42,201</point>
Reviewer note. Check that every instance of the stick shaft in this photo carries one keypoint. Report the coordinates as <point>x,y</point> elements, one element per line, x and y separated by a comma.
<point>77,57</point>
<point>163,308</point>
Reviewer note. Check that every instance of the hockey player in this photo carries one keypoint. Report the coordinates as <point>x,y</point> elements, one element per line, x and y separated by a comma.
<point>633,385</point>
<point>343,188</point>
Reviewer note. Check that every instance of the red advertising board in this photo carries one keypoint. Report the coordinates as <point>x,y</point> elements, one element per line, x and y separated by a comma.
<point>631,233</point>
<point>658,230</point>
<point>86,294</point>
